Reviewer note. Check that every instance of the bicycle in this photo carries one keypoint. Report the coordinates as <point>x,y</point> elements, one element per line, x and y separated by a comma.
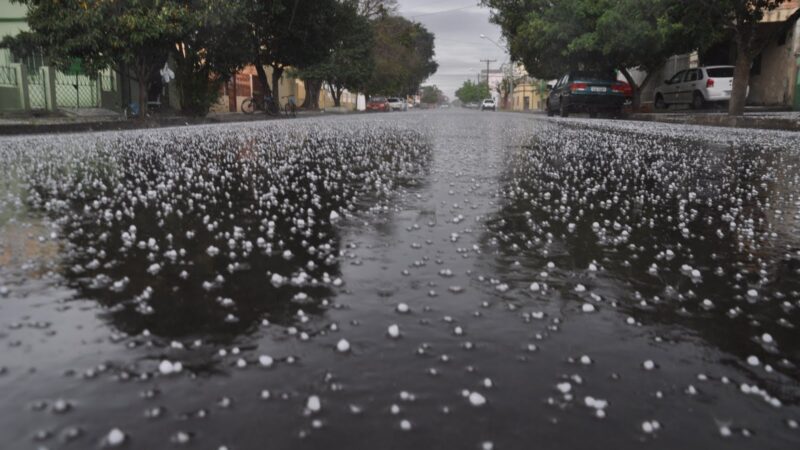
<point>266,104</point>
<point>290,109</point>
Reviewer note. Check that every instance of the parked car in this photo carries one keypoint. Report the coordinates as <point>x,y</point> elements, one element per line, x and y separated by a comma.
<point>488,104</point>
<point>696,87</point>
<point>378,104</point>
<point>586,91</point>
<point>396,104</point>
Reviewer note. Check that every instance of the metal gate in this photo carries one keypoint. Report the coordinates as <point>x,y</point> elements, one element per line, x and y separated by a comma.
<point>76,91</point>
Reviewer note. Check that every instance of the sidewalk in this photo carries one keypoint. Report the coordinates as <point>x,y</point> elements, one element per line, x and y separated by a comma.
<point>105,120</point>
<point>763,118</point>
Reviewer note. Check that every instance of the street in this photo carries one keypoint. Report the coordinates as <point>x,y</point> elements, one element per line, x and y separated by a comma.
<point>441,279</point>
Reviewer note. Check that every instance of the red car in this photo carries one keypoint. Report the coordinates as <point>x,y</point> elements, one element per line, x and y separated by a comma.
<point>378,104</point>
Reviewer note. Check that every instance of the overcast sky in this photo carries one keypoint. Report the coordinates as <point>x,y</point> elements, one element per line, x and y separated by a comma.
<point>458,25</point>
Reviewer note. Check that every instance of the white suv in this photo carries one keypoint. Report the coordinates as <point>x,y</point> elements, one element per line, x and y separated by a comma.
<point>489,104</point>
<point>396,104</point>
<point>696,87</point>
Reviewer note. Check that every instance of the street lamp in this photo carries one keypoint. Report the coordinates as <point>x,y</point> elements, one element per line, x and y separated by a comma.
<point>510,67</point>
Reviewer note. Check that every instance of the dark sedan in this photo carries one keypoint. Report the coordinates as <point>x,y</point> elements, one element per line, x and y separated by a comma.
<point>586,91</point>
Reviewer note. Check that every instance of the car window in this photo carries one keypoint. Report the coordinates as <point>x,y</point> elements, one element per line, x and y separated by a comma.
<point>563,81</point>
<point>720,72</point>
<point>677,77</point>
<point>691,75</point>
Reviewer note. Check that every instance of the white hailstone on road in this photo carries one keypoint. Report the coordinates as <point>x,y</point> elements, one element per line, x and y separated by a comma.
<point>458,331</point>
<point>265,360</point>
<point>405,425</point>
<point>767,338</point>
<point>277,280</point>
<point>649,365</point>
<point>334,216</point>
<point>241,363</point>
<point>585,360</point>
<point>535,287</point>
<point>402,308</point>
<point>588,308</point>
<point>753,360</point>
<point>313,404</point>
<point>487,445</point>
<point>168,368</point>
<point>115,437</point>
<point>650,426</point>
<point>212,251</point>
<point>343,346</point>
<point>393,331</point>
<point>487,383</point>
<point>502,287</point>
<point>476,399</point>
<point>725,431</point>
<point>287,254</point>
<point>570,227</point>
<point>696,273</point>
<point>752,293</point>
<point>580,288</point>
<point>592,267</point>
<point>564,387</point>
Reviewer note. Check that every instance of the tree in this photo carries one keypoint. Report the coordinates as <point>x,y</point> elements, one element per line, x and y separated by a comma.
<point>372,9</point>
<point>286,33</point>
<point>431,95</point>
<point>470,92</point>
<point>551,38</point>
<point>742,18</point>
<point>212,48</point>
<point>349,62</point>
<point>404,53</point>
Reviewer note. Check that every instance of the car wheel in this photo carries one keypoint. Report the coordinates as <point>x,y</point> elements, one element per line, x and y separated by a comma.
<point>660,103</point>
<point>563,109</point>
<point>698,101</point>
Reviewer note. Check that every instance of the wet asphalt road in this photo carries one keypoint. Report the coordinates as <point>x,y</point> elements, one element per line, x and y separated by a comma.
<point>454,280</point>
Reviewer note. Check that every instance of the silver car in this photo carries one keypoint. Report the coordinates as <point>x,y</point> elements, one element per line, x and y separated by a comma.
<point>696,87</point>
<point>396,104</point>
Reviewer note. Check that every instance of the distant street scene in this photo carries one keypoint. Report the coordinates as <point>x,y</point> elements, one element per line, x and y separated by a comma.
<point>306,225</point>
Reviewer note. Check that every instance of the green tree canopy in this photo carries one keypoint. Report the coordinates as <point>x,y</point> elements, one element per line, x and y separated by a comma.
<point>349,61</point>
<point>404,53</point>
<point>431,94</point>
<point>471,92</point>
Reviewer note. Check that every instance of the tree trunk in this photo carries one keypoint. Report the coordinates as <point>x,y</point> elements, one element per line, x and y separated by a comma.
<point>262,77</point>
<point>336,93</point>
<point>312,94</point>
<point>142,73</point>
<point>636,89</point>
<point>741,78</point>
<point>276,81</point>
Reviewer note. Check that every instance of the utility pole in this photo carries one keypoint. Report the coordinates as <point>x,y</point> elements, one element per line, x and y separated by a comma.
<point>488,61</point>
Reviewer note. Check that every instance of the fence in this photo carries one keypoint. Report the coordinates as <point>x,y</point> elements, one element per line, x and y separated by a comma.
<point>37,96</point>
<point>8,76</point>
<point>76,91</point>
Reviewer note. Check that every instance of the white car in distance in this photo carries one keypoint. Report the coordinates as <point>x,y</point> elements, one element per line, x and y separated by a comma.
<point>489,103</point>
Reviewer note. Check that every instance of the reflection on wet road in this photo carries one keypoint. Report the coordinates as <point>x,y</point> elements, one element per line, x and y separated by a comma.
<point>429,279</point>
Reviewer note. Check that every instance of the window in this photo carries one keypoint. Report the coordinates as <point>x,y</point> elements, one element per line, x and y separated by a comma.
<point>720,72</point>
<point>677,78</point>
<point>691,75</point>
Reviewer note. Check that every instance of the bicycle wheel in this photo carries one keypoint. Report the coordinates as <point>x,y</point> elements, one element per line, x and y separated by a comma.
<point>248,105</point>
<point>273,109</point>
